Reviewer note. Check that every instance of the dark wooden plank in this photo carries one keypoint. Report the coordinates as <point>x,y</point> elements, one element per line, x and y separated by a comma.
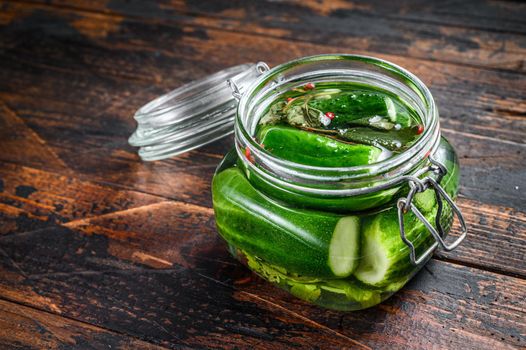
<point>484,165</point>
<point>445,307</point>
<point>125,168</point>
<point>506,16</point>
<point>352,25</point>
<point>94,151</point>
<point>26,328</point>
<point>172,307</point>
<point>466,89</point>
<point>496,241</point>
<point>21,142</point>
<point>97,271</point>
<point>32,199</point>
<point>481,110</point>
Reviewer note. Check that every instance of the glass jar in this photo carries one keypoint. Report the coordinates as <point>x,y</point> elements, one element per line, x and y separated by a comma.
<point>344,238</point>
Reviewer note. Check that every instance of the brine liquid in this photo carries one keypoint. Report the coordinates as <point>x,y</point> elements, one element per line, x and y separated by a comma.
<point>349,113</point>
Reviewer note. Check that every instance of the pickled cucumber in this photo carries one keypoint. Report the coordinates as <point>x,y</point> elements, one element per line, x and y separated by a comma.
<point>304,242</point>
<point>312,149</point>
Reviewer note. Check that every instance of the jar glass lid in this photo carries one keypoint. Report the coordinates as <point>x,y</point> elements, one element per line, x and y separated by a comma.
<point>192,115</point>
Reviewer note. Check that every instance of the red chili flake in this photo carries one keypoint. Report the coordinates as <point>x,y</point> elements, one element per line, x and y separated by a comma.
<point>427,154</point>
<point>290,99</point>
<point>309,86</point>
<point>248,155</point>
<point>330,115</point>
<point>420,129</point>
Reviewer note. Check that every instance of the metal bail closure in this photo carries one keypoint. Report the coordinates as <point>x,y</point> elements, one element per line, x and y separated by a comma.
<point>417,185</point>
<point>192,115</point>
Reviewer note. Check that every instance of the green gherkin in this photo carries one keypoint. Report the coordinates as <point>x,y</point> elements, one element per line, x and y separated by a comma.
<point>299,240</point>
<point>309,148</point>
<point>349,107</point>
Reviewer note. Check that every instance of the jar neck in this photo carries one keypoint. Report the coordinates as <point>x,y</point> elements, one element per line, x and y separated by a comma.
<point>335,181</point>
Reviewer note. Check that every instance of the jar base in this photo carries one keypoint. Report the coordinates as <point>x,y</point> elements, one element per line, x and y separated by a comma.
<point>336,294</point>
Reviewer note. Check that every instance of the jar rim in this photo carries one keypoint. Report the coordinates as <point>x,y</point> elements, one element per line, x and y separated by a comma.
<point>430,122</point>
<point>393,167</point>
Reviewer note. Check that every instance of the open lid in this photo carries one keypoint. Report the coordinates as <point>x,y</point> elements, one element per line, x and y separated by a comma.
<point>192,115</point>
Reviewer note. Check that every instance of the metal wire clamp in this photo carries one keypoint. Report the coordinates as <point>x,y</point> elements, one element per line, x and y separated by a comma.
<point>405,205</point>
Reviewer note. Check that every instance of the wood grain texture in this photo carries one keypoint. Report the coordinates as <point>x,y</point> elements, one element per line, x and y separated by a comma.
<point>31,199</point>
<point>497,238</point>
<point>346,24</point>
<point>104,263</point>
<point>98,249</point>
<point>26,328</point>
<point>494,16</point>
<point>172,307</point>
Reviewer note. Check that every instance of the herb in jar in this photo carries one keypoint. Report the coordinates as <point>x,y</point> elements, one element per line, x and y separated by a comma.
<point>338,124</point>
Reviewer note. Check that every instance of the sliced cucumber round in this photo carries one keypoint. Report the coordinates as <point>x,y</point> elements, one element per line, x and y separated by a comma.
<point>385,257</point>
<point>344,246</point>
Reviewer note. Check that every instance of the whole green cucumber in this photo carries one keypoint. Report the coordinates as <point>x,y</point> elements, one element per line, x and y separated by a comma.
<point>309,148</point>
<point>304,242</point>
<point>350,107</point>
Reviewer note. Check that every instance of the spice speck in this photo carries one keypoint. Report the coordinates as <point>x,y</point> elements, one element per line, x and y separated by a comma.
<point>248,155</point>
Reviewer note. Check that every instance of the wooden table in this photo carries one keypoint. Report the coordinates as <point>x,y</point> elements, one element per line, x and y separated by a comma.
<point>100,250</point>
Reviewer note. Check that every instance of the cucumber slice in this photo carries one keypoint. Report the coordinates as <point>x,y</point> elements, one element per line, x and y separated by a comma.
<point>344,246</point>
<point>385,257</point>
<point>391,109</point>
<point>309,148</point>
<point>398,115</point>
